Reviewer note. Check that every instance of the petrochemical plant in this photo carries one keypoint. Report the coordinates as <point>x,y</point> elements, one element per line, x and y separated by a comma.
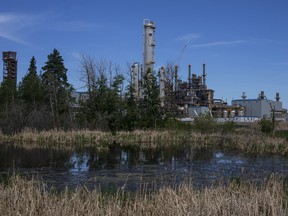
<point>185,99</point>
<point>190,98</point>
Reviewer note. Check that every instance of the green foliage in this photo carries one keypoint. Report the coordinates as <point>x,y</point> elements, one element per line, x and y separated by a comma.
<point>228,127</point>
<point>104,107</point>
<point>131,109</point>
<point>266,125</point>
<point>30,88</point>
<point>150,113</point>
<point>205,123</point>
<point>57,89</point>
<point>282,134</point>
<point>8,92</point>
<point>177,125</point>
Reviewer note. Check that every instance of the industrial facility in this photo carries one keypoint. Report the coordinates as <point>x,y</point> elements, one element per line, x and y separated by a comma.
<point>182,99</point>
<point>262,107</point>
<point>189,99</point>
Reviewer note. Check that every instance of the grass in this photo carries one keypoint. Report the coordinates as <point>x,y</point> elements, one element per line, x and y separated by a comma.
<point>22,197</point>
<point>249,139</point>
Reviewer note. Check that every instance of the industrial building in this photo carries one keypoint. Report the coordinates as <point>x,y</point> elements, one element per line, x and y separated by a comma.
<point>9,66</point>
<point>188,99</point>
<point>262,107</point>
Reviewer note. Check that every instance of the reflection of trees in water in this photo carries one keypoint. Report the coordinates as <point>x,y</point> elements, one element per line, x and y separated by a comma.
<point>113,157</point>
<point>203,154</point>
<point>11,156</point>
<point>117,156</point>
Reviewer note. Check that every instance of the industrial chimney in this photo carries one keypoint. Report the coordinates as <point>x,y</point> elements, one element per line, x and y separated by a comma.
<point>204,75</point>
<point>149,44</point>
<point>277,97</point>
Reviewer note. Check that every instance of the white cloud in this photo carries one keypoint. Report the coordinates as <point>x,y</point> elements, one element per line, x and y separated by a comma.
<point>72,26</point>
<point>11,26</point>
<point>217,43</point>
<point>14,25</point>
<point>5,18</point>
<point>188,37</point>
<point>13,38</point>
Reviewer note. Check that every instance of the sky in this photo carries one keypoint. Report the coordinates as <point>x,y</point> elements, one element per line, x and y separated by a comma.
<point>244,43</point>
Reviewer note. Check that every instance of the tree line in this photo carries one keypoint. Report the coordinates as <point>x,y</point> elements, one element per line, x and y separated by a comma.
<point>43,100</point>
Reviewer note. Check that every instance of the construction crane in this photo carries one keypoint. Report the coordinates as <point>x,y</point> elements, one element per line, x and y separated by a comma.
<point>180,56</point>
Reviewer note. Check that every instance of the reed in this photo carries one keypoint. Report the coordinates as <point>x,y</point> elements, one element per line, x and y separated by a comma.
<point>21,197</point>
<point>255,143</point>
<point>147,138</point>
<point>249,141</point>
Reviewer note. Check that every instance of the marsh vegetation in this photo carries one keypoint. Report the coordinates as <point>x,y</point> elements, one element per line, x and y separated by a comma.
<point>236,197</point>
<point>22,197</point>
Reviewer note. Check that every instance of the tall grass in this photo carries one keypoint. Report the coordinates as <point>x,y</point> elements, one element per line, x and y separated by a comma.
<point>249,140</point>
<point>147,138</point>
<point>22,197</point>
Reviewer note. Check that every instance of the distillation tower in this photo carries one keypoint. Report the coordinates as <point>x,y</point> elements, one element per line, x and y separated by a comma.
<point>9,66</point>
<point>138,70</point>
<point>149,44</point>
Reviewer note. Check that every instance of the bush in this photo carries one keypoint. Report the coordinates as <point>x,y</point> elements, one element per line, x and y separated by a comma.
<point>205,123</point>
<point>228,127</point>
<point>266,125</point>
<point>174,124</point>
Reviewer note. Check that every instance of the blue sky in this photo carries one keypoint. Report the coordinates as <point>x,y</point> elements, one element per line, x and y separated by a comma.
<point>243,43</point>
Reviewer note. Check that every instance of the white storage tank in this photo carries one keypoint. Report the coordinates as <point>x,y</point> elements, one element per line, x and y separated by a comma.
<point>232,113</point>
<point>225,114</point>
<point>240,113</point>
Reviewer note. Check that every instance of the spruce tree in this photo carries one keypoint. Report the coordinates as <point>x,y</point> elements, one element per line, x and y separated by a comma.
<point>30,88</point>
<point>8,95</point>
<point>131,109</point>
<point>57,88</point>
<point>151,104</point>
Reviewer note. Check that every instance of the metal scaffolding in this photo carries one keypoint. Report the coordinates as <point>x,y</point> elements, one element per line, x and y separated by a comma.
<point>9,66</point>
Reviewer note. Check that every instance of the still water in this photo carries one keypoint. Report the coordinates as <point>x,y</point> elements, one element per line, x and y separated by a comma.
<point>132,168</point>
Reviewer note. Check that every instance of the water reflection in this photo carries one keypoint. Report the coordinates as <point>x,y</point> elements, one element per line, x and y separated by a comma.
<point>132,167</point>
<point>79,163</point>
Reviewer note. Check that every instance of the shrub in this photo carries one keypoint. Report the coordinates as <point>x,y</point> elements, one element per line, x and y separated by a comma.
<point>205,123</point>
<point>228,127</point>
<point>266,125</point>
<point>174,124</point>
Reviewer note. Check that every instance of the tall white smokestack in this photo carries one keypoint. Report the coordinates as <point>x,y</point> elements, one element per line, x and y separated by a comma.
<point>149,44</point>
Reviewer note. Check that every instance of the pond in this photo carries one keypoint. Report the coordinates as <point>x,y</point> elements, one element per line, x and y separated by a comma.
<point>132,168</point>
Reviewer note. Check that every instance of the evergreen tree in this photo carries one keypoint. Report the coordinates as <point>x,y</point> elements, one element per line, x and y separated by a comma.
<point>131,109</point>
<point>57,88</point>
<point>10,110</point>
<point>103,109</point>
<point>8,95</point>
<point>115,104</point>
<point>151,105</point>
<point>30,88</point>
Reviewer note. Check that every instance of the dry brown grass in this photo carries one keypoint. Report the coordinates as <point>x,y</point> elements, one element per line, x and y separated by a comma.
<point>22,197</point>
<point>58,138</point>
<point>248,141</point>
<point>256,143</point>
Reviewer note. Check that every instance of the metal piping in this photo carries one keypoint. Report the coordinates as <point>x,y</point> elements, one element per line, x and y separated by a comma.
<point>204,75</point>
<point>189,76</point>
